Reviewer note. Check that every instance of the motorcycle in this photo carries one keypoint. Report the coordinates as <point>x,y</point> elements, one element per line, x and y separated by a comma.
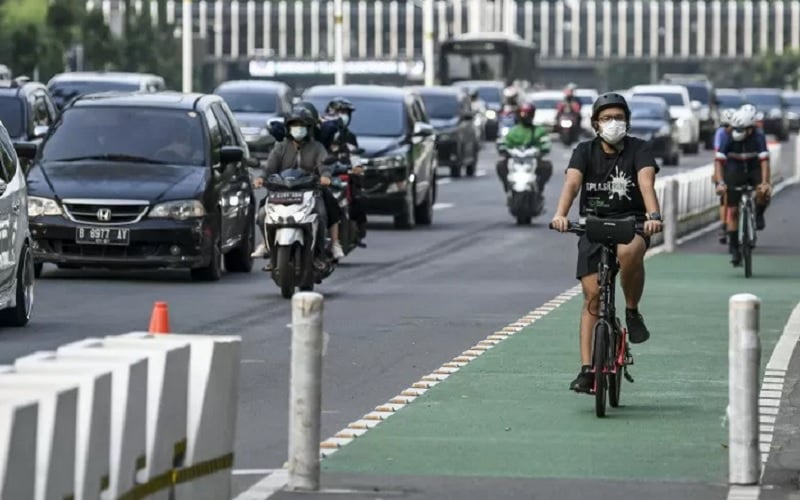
<point>524,201</point>
<point>294,232</point>
<point>569,127</point>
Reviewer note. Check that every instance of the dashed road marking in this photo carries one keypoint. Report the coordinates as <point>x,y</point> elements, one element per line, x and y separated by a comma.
<point>442,206</point>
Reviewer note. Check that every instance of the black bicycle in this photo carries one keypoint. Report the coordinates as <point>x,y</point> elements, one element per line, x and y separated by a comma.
<point>611,353</point>
<point>747,226</point>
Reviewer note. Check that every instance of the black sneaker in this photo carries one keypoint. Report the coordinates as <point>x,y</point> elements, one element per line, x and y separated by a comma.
<point>760,222</point>
<point>736,258</point>
<point>637,331</point>
<point>723,236</point>
<point>584,382</point>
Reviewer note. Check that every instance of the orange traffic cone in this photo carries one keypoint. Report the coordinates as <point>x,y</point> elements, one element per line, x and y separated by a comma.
<point>159,321</point>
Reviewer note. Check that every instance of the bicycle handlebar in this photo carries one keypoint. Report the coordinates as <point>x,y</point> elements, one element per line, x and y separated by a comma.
<point>577,227</point>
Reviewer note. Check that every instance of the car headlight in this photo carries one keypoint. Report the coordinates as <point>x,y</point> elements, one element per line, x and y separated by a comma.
<point>42,206</point>
<point>775,113</point>
<point>178,210</point>
<point>491,114</point>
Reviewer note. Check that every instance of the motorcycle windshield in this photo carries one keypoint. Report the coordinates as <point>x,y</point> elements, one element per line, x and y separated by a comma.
<point>291,179</point>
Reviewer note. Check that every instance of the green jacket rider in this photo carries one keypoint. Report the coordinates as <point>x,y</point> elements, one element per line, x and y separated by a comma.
<point>526,134</point>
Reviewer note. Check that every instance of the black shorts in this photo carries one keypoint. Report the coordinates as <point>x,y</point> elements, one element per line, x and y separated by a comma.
<point>736,176</point>
<point>589,255</point>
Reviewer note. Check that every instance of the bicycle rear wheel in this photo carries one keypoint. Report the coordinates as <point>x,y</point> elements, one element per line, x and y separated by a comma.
<point>615,379</point>
<point>746,246</point>
<point>599,362</point>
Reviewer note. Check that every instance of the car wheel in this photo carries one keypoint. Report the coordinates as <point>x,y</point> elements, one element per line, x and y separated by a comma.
<point>239,260</point>
<point>423,213</point>
<point>473,162</point>
<point>405,219</point>
<point>37,269</point>
<point>213,271</point>
<point>20,314</point>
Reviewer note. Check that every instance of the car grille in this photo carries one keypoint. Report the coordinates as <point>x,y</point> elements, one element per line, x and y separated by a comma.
<point>99,212</point>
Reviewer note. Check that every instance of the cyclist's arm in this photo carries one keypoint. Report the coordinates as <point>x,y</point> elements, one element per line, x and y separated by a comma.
<point>573,182</point>
<point>763,156</point>
<point>646,168</point>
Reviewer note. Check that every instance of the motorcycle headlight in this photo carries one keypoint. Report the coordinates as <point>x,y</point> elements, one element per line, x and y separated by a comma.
<point>491,114</point>
<point>178,210</point>
<point>42,206</point>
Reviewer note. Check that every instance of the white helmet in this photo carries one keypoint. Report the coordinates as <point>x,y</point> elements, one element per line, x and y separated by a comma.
<point>726,116</point>
<point>744,117</point>
<point>510,92</point>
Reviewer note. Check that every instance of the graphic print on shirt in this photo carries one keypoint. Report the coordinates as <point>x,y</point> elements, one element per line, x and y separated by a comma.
<point>618,185</point>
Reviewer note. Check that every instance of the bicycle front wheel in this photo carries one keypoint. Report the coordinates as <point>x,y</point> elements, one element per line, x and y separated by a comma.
<point>746,246</point>
<point>600,361</point>
<point>615,379</point>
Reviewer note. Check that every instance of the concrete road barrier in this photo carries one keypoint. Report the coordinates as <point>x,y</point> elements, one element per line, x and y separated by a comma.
<point>18,427</point>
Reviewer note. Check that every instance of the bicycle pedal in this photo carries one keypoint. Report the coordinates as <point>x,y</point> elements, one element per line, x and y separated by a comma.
<point>628,376</point>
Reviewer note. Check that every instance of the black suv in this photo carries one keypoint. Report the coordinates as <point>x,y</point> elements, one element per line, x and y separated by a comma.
<point>143,181</point>
<point>26,109</point>
<point>399,149</point>
<point>450,112</point>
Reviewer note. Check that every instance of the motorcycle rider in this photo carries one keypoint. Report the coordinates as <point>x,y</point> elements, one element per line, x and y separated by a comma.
<point>302,150</point>
<point>526,134</point>
<point>510,100</point>
<point>743,159</point>
<point>720,136</point>
<point>615,176</point>
<point>569,105</point>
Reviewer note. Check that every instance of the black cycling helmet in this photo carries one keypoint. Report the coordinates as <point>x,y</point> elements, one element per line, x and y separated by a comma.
<point>300,114</point>
<point>341,104</point>
<point>310,108</point>
<point>610,100</point>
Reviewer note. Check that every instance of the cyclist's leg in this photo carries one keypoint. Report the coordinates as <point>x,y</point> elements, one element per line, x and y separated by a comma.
<point>734,177</point>
<point>631,264</point>
<point>723,219</point>
<point>588,261</point>
<point>762,200</point>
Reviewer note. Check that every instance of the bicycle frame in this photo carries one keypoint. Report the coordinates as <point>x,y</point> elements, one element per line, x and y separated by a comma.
<point>606,278</point>
<point>747,217</point>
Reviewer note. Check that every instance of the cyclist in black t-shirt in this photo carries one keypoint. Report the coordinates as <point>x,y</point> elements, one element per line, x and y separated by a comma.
<point>615,175</point>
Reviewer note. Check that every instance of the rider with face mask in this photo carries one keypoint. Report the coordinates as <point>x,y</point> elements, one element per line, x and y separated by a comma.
<point>743,159</point>
<point>615,176</point>
<point>526,134</point>
<point>301,150</point>
<point>720,138</point>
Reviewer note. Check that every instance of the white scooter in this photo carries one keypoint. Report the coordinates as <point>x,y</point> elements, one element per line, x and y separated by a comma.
<point>524,201</point>
<point>293,229</point>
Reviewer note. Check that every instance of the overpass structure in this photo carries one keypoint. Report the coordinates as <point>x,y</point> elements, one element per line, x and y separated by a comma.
<point>566,31</point>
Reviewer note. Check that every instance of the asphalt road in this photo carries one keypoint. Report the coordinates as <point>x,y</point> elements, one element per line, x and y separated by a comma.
<point>394,310</point>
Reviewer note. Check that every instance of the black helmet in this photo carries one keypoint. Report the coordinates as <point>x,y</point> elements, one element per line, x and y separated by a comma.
<point>341,104</point>
<point>310,108</point>
<point>300,114</point>
<point>610,100</point>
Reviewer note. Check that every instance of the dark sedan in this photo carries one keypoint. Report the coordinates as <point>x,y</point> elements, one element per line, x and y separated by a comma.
<point>491,93</point>
<point>450,112</point>
<point>143,181</point>
<point>399,149</point>
<point>651,121</point>
<point>770,103</point>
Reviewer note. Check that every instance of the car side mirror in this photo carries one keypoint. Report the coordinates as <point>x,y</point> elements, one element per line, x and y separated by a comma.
<point>26,150</point>
<point>40,130</point>
<point>231,154</point>
<point>696,105</point>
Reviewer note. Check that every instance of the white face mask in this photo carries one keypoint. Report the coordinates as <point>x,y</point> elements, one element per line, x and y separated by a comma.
<point>738,135</point>
<point>614,131</point>
<point>298,133</point>
<point>345,119</point>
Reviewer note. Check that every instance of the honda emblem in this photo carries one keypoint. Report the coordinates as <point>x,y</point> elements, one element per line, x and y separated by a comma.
<point>104,215</point>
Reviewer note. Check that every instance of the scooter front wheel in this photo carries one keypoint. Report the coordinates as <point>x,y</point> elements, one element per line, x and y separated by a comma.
<point>285,270</point>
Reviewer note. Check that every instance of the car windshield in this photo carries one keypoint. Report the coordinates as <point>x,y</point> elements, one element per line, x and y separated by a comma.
<point>372,117</point>
<point>792,100</point>
<point>585,99</point>
<point>699,93</point>
<point>490,95</point>
<point>441,105</point>
<point>545,102</point>
<point>251,101</point>
<point>673,99</point>
<point>64,91</point>
<point>764,100</point>
<point>647,110</point>
<point>12,114</point>
<point>129,134</point>
<point>730,100</point>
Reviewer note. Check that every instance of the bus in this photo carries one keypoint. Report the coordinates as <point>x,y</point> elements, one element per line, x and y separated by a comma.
<point>487,56</point>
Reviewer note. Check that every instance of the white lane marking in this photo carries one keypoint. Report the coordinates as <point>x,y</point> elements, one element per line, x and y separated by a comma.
<point>480,173</point>
<point>442,206</point>
<point>444,180</point>
<point>252,472</point>
<point>279,479</point>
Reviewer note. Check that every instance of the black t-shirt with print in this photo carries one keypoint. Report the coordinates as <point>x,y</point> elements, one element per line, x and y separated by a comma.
<point>610,181</point>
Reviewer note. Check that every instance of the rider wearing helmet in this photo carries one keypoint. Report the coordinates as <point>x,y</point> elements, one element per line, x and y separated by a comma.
<point>510,100</point>
<point>301,150</point>
<point>743,159</point>
<point>720,137</point>
<point>615,176</point>
<point>570,105</point>
<point>526,134</point>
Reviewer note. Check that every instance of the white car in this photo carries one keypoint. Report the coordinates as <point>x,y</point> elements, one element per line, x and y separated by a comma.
<point>545,102</point>
<point>680,108</point>
<point>587,98</point>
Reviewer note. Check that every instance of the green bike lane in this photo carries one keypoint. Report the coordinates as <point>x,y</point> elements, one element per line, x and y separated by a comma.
<point>507,423</point>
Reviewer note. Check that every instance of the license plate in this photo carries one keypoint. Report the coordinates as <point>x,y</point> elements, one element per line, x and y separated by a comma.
<point>286,197</point>
<point>102,236</point>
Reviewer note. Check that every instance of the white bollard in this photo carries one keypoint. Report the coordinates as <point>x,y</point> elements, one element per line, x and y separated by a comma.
<point>744,358</point>
<point>128,407</point>
<point>167,393</point>
<point>211,413</point>
<point>55,429</point>
<point>93,432</point>
<point>670,204</point>
<point>305,398</point>
<point>18,418</point>
<point>338,42</point>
